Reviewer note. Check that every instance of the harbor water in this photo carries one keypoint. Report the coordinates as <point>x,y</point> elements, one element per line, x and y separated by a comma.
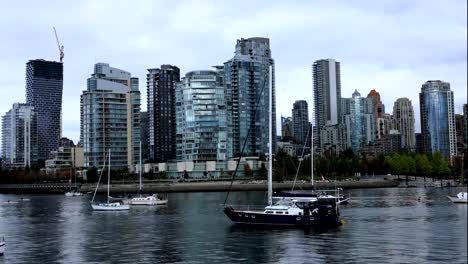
<point>389,225</point>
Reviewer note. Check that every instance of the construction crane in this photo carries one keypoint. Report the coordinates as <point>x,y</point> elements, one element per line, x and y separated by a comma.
<point>60,47</point>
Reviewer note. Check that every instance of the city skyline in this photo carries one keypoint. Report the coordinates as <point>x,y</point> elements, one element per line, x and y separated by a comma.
<point>395,63</point>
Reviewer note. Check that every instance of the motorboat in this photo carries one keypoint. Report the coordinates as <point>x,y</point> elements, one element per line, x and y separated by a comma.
<point>108,205</point>
<point>462,197</point>
<point>155,199</point>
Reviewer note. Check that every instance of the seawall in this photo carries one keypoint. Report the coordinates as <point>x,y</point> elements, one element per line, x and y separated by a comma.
<point>237,186</point>
<point>218,186</point>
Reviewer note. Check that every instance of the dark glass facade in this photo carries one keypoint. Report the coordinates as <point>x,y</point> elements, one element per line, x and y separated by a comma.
<point>161,86</point>
<point>44,88</point>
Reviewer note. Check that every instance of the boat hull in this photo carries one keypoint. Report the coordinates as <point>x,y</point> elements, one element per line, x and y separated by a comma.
<point>457,200</point>
<point>110,207</point>
<point>73,194</point>
<point>261,218</point>
<point>2,248</point>
<point>147,202</point>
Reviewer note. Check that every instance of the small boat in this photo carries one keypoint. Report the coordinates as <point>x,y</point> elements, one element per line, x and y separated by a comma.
<point>73,193</point>
<point>462,197</point>
<point>155,199</point>
<point>107,206</point>
<point>2,246</point>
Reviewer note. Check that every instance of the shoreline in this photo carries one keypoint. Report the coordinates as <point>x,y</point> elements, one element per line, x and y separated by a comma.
<point>218,186</point>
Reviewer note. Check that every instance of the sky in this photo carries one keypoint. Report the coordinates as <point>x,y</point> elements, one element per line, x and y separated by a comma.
<point>391,46</point>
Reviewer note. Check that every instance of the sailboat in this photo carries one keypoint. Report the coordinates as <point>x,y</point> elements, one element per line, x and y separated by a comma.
<point>155,199</point>
<point>301,211</point>
<point>107,206</point>
<point>73,193</point>
<point>322,194</point>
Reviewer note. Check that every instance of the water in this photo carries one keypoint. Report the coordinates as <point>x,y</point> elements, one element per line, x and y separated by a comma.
<point>382,226</point>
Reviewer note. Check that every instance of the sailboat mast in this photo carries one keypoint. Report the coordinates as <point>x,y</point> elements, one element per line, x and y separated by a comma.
<point>312,141</point>
<point>140,167</point>
<point>312,152</point>
<point>270,141</point>
<point>108,177</point>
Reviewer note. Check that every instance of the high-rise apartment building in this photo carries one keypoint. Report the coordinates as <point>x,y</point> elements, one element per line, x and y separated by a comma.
<point>110,118</point>
<point>248,78</point>
<point>161,87</point>
<point>19,137</point>
<point>327,101</point>
<point>438,118</point>
<point>286,128</point>
<point>202,129</point>
<point>44,88</point>
<point>359,122</point>
<point>379,111</point>
<point>465,123</point>
<point>403,116</point>
<point>301,125</point>
<point>144,136</point>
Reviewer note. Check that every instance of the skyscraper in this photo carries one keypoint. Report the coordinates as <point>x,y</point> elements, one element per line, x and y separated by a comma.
<point>465,123</point>
<point>327,101</point>
<point>44,88</point>
<point>161,87</point>
<point>403,116</point>
<point>286,128</point>
<point>144,136</point>
<point>438,118</point>
<point>19,137</point>
<point>110,118</point>
<point>300,118</point>
<point>379,111</point>
<point>359,122</point>
<point>248,76</point>
<point>201,118</point>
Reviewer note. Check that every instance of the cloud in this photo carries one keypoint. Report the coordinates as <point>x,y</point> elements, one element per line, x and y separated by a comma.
<point>392,46</point>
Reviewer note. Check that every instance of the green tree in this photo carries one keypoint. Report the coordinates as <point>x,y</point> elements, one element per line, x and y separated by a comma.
<point>423,166</point>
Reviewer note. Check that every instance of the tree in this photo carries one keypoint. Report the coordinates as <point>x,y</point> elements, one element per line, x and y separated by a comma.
<point>423,166</point>
<point>92,175</point>
<point>262,172</point>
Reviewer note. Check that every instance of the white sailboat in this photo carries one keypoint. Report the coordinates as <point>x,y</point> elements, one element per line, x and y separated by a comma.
<point>107,206</point>
<point>73,193</point>
<point>462,197</point>
<point>155,199</point>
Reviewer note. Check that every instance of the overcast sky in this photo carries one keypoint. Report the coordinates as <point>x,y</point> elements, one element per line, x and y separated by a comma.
<point>391,46</point>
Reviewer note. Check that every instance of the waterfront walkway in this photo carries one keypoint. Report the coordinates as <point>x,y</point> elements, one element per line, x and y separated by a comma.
<point>207,186</point>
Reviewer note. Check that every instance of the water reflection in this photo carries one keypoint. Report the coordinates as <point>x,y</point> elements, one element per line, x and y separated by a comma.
<point>382,225</point>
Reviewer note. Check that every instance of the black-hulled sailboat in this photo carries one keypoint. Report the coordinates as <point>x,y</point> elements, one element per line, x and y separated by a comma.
<point>300,211</point>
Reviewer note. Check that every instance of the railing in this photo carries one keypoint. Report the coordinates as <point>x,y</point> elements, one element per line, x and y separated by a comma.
<point>243,207</point>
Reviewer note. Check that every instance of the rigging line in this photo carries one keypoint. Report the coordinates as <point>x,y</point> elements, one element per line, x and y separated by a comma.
<point>302,157</point>
<point>100,175</point>
<point>245,141</point>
